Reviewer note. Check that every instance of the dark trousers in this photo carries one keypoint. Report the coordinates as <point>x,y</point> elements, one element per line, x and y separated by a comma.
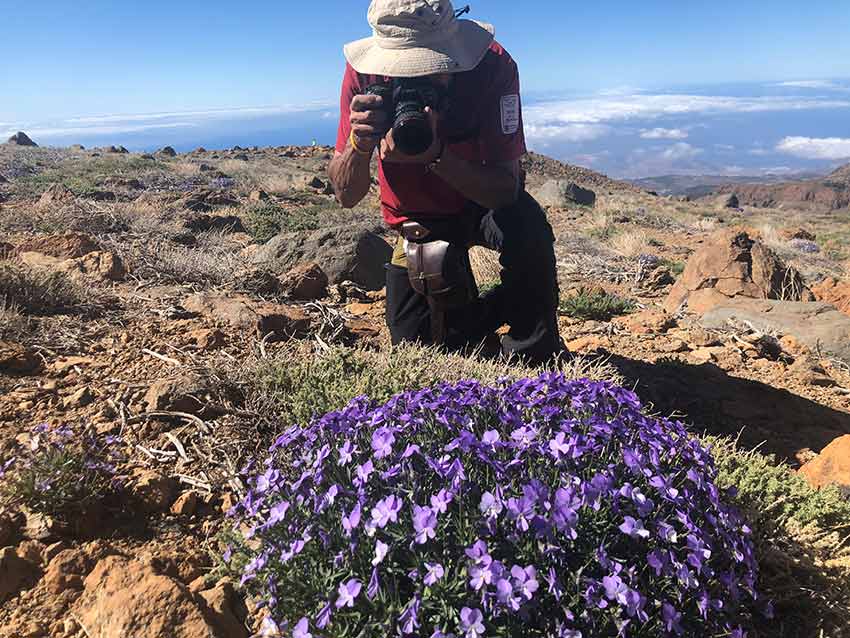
<point>526,300</point>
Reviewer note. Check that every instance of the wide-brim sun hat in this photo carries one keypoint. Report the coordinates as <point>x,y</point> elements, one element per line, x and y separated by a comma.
<point>412,38</point>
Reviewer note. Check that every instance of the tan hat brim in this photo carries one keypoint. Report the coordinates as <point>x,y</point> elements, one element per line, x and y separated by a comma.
<point>462,52</point>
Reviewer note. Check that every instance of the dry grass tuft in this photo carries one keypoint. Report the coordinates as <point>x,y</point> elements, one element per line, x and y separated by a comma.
<point>630,243</point>
<point>39,291</point>
<point>213,261</point>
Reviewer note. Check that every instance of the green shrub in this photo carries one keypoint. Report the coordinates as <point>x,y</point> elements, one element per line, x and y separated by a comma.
<point>675,267</point>
<point>796,530</point>
<point>595,305</point>
<point>265,221</point>
<point>298,385</point>
<point>38,291</point>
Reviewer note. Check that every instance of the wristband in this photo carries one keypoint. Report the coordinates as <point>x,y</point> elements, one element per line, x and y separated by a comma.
<point>357,149</point>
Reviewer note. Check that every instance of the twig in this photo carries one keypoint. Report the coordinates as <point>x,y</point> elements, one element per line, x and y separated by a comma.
<point>162,357</point>
<point>189,480</point>
<point>164,414</point>
<point>178,445</point>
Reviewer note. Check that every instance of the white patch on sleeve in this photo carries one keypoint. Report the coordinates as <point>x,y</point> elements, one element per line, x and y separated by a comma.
<point>510,114</point>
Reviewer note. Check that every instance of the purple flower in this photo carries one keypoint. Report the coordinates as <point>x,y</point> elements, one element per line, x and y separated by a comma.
<point>471,622</point>
<point>505,594</point>
<point>277,513</point>
<point>324,617</point>
<point>348,592</point>
<point>558,447</point>
<point>491,438</point>
<point>490,505</point>
<point>302,629</point>
<point>408,620</point>
<point>424,524</point>
<point>380,553</point>
<point>435,572</point>
<point>671,619</point>
<point>634,528</point>
<point>364,471</point>
<point>525,580</point>
<point>386,511</point>
<point>346,453</point>
<point>352,520</point>
<point>440,501</point>
<point>382,442</point>
<point>374,588</point>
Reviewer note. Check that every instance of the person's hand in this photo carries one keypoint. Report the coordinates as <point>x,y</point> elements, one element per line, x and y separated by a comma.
<point>391,153</point>
<point>369,122</point>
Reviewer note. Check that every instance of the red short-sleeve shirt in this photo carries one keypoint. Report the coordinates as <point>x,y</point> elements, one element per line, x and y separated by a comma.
<point>483,123</point>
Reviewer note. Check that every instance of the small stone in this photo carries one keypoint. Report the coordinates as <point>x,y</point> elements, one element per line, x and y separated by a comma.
<point>32,551</point>
<point>153,491</point>
<point>305,282</point>
<point>16,573</point>
<point>674,346</point>
<point>228,502</point>
<point>831,466</point>
<point>81,398</point>
<point>705,355</point>
<point>185,505</point>
<point>207,339</point>
<point>588,343</point>
<point>258,196</point>
<point>701,338</point>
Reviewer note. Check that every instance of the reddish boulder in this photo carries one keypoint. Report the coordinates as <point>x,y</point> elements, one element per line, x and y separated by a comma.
<point>17,359</point>
<point>242,313</point>
<point>731,264</point>
<point>305,282</point>
<point>129,598</point>
<point>831,466</point>
<point>834,292</point>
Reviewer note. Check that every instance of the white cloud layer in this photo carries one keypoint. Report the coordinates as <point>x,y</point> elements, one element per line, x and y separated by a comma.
<point>575,132</point>
<point>664,134</point>
<point>822,148</point>
<point>135,123</point>
<point>810,84</point>
<point>550,120</point>
<point>680,151</point>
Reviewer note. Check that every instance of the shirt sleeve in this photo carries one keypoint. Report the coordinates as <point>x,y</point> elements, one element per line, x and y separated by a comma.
<point>502,137</point>
<point>350,88</point>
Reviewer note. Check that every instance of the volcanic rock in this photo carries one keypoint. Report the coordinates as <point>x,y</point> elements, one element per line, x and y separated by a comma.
<point>730,265</point>
<point>352,252</point>
<point>153,491</point>
<point>810,372</point>
<point>186,504</point>
<point>67,246</point>
<point>16,573</point>
<point>6,250</point>
<point>67,570</point>
<point>831,466</point>
<point>797,233</point>
<point>242,313</point>
<point>123,597</point>
<point>834,292</point>
<point>559,193</point>
<point>653,321</point>
<point>167,151</point>
<point>231,611</point>
<point>187,394</point>
<point>56,195</point>
<point>115,149</point>
<point>204,200</point>
<point>21,139</point>
<point>17,359</point>
<point>817,325</point>
<point>728,201</point>
<point>258,196</point>
<point>305,282</point>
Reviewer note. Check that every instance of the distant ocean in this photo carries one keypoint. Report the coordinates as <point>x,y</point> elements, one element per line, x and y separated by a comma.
<point>743,129</point>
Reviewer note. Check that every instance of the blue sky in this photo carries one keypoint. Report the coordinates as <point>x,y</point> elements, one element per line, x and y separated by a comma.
<point>598,78</point>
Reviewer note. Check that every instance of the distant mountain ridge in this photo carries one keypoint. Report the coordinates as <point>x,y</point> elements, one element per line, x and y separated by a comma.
<point>832,191</point>
<point>697,186</point>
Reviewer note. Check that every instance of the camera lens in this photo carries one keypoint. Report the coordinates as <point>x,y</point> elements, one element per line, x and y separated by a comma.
<point>412,132</point>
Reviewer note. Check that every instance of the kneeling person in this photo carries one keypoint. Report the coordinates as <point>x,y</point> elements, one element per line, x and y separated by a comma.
<point>450,170</point>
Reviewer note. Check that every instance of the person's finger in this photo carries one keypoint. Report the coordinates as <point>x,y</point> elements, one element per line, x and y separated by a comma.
<point>366,102</point>
<point>370,117</point>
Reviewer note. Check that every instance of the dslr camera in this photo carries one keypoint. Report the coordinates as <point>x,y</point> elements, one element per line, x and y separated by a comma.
<point>404,100</point>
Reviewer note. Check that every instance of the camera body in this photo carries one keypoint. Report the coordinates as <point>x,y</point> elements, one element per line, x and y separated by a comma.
<point>405,100</point>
